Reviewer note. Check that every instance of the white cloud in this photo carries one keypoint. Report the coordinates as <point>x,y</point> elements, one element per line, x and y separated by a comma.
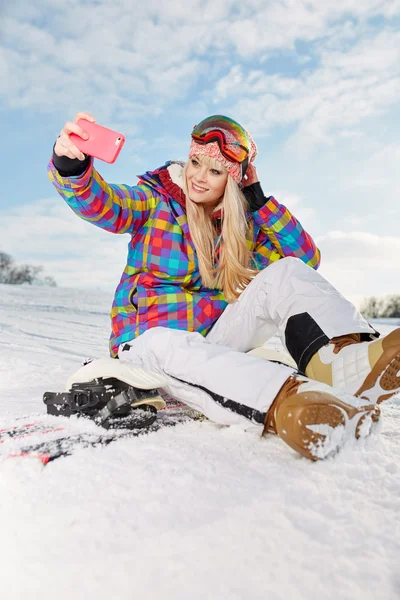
<point>270,25</point>
<point>377,180</point>
<point>130,70</point>
<point>361,264</point>
<point>137,56</point>
<point>323,103</point>
<point>75,253</point>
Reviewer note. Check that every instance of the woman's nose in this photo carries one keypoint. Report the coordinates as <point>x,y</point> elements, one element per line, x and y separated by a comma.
<point>202,174</point>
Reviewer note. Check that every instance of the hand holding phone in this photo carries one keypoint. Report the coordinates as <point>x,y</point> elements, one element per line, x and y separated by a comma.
<point>84,136</point>
<point>102,143</point>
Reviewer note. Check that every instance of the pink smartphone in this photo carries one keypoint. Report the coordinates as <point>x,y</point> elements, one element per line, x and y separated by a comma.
<point>103,143</point>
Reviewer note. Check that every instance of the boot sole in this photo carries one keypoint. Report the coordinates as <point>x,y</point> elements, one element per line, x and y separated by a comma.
<point>318,429</point>
<point>384,380</point>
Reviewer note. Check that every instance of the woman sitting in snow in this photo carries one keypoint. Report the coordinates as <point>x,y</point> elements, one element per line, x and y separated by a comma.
<point>215,269</point>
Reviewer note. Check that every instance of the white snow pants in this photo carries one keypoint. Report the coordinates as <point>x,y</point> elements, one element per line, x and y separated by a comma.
<point>199,369</point>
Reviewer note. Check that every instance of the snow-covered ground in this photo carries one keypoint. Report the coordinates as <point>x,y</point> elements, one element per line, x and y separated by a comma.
<point>196,511</point>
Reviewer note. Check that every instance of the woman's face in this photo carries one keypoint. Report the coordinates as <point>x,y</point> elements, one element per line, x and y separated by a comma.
<point>205,183</point>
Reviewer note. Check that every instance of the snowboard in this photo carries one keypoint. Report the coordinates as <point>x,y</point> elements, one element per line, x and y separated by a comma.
<point>47,438</point>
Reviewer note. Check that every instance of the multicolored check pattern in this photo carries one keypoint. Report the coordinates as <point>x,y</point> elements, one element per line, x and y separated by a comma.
<point>161,285</point>
<point>278,234</point>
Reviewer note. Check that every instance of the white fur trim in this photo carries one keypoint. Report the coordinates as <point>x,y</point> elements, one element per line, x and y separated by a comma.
<point>175,171</point>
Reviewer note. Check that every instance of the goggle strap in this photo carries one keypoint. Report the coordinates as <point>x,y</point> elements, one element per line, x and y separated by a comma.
<point>244,166</point>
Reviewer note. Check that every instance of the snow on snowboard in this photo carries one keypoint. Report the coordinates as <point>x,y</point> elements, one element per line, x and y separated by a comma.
<point>47,437</point>
<point>105,400</point>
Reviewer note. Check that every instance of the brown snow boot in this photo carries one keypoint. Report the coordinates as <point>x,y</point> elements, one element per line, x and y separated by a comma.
<point>315,419</point>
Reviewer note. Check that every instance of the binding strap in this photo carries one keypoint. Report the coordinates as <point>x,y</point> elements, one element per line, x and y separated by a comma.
<point>103,402</point>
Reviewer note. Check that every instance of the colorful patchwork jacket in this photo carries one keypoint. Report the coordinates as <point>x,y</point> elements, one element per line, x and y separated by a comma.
<point>161,283</point>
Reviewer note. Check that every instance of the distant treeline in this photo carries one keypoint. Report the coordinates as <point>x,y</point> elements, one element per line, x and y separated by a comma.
<point>388,307</point>
<point>18,274</point>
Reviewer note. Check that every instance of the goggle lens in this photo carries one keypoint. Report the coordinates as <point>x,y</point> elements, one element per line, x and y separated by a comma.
<point>231,138</point>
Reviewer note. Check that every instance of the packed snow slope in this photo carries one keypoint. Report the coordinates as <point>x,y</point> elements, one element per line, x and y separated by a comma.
<point>197,511</point>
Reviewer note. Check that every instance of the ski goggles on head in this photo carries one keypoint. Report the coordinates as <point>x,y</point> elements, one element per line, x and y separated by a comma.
<point>232,139</point>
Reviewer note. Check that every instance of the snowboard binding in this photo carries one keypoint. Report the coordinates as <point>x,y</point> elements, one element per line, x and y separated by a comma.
<point>111,403</point>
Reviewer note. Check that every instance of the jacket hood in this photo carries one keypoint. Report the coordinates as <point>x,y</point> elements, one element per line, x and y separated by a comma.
<point>168,180</point>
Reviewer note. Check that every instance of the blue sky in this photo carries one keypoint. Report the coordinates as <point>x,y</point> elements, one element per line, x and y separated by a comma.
<point>317,83</point>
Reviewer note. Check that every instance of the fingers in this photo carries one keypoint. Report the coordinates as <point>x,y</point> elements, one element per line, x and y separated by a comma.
<point>251,176</point>
<point>64,145</point>
<point>251,171</point>
<point>84,115</point>
<point>74,128</point>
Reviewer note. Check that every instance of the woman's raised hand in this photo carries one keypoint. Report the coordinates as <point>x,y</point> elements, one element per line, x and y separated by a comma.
<point>250,177</point>
<point>64,146</point>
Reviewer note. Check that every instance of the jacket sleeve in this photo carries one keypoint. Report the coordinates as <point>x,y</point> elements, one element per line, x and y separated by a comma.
<point>281,235</point>
<point>115,208</point>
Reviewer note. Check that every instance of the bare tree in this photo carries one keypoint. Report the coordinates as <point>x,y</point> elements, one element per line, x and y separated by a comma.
<point>372,307</point>
<point>5,266</point>
<point>24,274</point>
<point>48,281</point>
<point>5,261</point>
<point>392,307</point>
<point>18,274</point>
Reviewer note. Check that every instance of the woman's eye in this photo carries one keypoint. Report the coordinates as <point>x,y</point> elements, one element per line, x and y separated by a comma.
<point>194,162</point>
<point>215,172</point>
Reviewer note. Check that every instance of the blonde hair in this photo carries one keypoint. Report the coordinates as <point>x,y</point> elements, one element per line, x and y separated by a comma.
<point>224,265</point>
